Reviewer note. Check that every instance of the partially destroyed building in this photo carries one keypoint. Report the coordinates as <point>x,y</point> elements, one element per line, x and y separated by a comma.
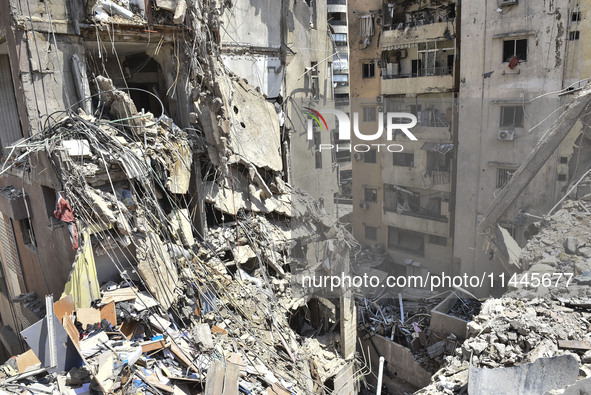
<point>404,57</point>
<point>147,183</point>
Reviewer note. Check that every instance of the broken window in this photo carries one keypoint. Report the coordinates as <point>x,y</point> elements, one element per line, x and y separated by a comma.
<point>403,159</point>
<point>390,197</point>
<point>370,195</point>
<point>503,176</point>
<point>438,240</point>
<point>369,70</point>
<point>371,233</point>
<point>406,240</point>
<point>511,117</point>
<point>312,6</point>
<point>27,233</point>
<point>573,35</point>
<point>370,156</point>
<point>515,48</point>
<point>340,39</point>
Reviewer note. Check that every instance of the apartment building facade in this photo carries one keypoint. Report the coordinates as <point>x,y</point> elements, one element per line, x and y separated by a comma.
<point>479,115</point>
<point>404,58</point>
<point>521,62</point>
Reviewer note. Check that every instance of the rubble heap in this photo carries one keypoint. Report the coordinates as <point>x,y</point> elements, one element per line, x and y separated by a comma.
<point>184,310</point>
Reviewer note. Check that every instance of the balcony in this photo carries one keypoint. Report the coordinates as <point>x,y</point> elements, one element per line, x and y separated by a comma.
<point>428,72</point>
<point>417,223</point>
<point>430,32</point>
<point>428,82</point>
<point>336,2</point>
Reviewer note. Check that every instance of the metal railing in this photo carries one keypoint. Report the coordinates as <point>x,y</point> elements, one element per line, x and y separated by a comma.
<point>430,71</point>
<point>336,2</point>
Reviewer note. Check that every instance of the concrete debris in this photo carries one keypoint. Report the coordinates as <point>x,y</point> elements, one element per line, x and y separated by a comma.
<point>182,309</point>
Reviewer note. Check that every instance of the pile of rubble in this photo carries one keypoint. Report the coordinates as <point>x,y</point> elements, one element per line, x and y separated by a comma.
<point>181,310</point>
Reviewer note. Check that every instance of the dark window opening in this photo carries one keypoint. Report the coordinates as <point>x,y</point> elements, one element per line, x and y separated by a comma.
<point>575,17</point>
<point>404,159</point>
<point>562,177</point>
<point>27,233</point>
<point>438,240</point>
<point>406,240</point>
<point>369,70</point>
<point>516,48</point>
<point>371,233</point>
<point>370,156</point>
<point>573,35</point>
<point>564,159</point>
<point>511,117</point>
<point>370,195</point>
<point>369,114</point>
<point>503,176</point>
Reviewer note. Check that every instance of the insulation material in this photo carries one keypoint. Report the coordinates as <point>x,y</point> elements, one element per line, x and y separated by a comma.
<point>83,284</point>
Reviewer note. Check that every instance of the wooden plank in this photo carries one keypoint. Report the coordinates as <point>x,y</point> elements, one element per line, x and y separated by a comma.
<point>574,345</point>
<point>109,313</point>
<point>119,295</point>
<point>88,316</point>
<point>71,330</point>
<point>64,306</point>
<point>128,328</point>
<point>26,360</point>
<point>182,357</point>
<point>152,345</point>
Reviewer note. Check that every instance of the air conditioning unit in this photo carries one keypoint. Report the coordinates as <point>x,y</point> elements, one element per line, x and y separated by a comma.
<point>380,99</point>
<point>501,3</point>
<point>380,109</point>
<point>358,156</point>
<point>401,53</point>
<point>363,205</point>
<point>506,135</point>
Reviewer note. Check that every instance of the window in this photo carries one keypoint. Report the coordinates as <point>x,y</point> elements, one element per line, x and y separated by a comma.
<point>512,117</point>
<point>370,156</point>
<point>371,233</point>
<point>340,79</point>
<point>564,159</point>
<point>503,176</point>
<point>369,114</point>
<point>390,197</point>
<point>318,154</point>
<point>404,159</point>
<point>366,28</point>
<point>575,16</point>
<point>340,38</point>
<point>562,177</point>
<point>312,6</point>
<point>516,48</point>
<point>370,195</point>
<point>406,240</point>
<point>369,70</point>
<point>27,233</point>
<point>573,35</point>
<point>438,240</point>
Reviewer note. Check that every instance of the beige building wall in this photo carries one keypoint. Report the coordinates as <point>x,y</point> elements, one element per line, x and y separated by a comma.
<point>490,91</point>
<point>428,92</point>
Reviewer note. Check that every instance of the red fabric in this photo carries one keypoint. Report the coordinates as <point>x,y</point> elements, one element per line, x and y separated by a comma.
<point>64,211</point>
<point>513,62</point>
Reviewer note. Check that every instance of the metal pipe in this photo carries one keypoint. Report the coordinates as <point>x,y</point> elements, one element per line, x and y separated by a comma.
<point>380,376</point>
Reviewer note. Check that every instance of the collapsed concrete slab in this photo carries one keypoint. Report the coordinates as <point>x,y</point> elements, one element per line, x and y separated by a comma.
<point>535,378</point>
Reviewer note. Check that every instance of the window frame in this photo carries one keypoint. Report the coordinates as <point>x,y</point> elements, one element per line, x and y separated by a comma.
<point>368,69</point>
<point>513,124</point>
<point>370,158</point>
<point>372,228</point>
<point>367,190</point>
<point>508,58</point>
<point>370,114</point>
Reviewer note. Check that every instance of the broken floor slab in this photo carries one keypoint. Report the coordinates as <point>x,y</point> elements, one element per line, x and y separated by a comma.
<point>534,378</point>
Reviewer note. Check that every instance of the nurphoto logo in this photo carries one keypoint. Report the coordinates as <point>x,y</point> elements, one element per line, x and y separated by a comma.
<point>394,121</point>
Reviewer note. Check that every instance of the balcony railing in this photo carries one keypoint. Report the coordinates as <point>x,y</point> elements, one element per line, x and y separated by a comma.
<point>337,22</point>
<point>336,2</point>
<point>430,71</point>
<point>440,177</point>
